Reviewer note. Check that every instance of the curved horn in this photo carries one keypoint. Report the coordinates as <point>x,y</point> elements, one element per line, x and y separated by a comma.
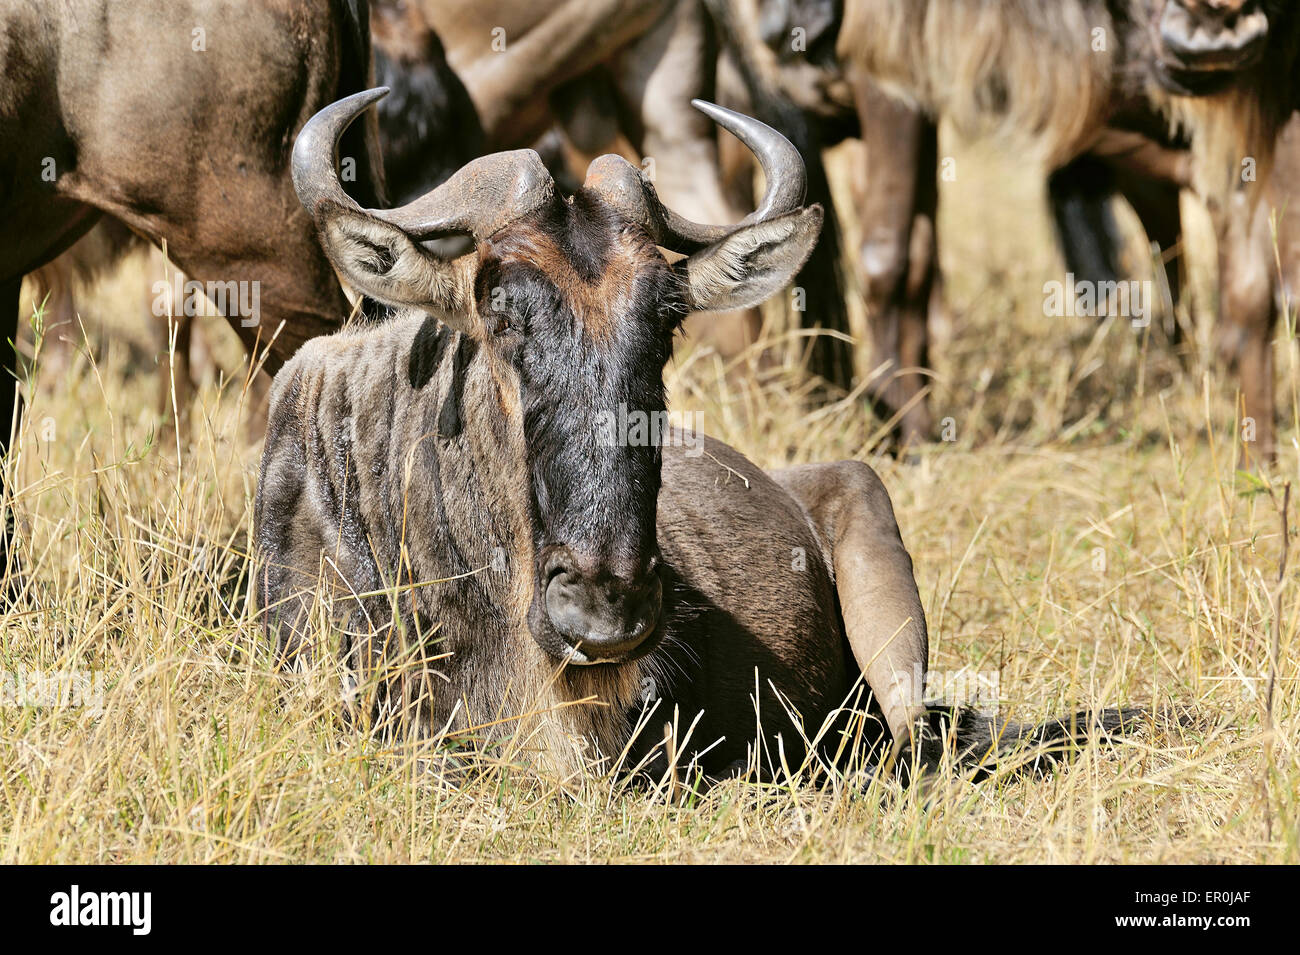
<point>314,164</point>
<point>623,186</point>
<point>480,198</point>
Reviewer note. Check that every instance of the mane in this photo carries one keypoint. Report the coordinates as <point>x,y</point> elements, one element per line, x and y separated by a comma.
<point>1023,70</point>
<point>1244,121</point>
<point>1030,73</point>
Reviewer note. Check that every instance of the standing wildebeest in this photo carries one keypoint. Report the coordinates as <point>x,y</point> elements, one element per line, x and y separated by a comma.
<point>1159,94</point>
<point>177,118</point>
<point>461,479</point>
<point>1050,76</point>
<point>427,95</point>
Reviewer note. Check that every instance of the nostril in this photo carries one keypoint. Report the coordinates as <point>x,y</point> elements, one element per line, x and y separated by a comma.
<point>605,617</point>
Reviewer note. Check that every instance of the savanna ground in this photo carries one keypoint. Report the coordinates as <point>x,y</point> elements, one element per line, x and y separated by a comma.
<point>1086,536</point>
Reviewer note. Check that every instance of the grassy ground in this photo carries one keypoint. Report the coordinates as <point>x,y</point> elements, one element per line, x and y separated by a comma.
<point>1085,535</point>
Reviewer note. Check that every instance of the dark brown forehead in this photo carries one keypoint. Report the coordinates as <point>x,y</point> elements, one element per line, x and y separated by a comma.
<point>591,258</point>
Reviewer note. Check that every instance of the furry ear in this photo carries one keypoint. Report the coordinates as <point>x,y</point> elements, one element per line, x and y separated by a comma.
<point>752,264</point>
<point>381,261</point>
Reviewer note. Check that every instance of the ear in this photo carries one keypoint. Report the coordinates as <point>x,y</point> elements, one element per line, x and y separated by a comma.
<point>753,263</point>
<point>379,260</point>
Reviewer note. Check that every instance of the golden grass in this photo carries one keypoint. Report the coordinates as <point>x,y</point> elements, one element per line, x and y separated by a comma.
<point>1086,534</point>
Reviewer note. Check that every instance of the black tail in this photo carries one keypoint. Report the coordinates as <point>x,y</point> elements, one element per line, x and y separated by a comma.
<point>985,743</point>
<point>428,127</point>
<point>1080,196</point>
<point>821,278</point>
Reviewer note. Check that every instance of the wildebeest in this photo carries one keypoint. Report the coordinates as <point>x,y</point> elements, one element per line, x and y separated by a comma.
<point>427,95</point>
<point>1054,75</point>
<point>177,119</point>
<point>481,479</point>
<point>1161,93</point>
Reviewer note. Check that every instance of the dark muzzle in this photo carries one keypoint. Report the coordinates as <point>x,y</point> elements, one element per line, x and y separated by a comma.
<point>603,616</point>
<point>1216,37</point>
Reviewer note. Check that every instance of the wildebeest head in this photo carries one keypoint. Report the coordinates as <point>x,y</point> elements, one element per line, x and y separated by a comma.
<point>1199,45</point>
<point>574,308</point>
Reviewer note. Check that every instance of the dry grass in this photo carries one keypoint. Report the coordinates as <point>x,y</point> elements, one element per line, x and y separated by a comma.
<point>1086,535</point>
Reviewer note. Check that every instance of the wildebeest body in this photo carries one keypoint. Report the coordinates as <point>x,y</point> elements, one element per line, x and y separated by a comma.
<point>498,555</point>
<point>446,496</point>
<point>177,119</point>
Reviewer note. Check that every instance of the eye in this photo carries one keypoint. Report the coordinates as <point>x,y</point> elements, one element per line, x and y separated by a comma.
<point>501,309</point>
<point>509,314</point>
<point>511,318</point>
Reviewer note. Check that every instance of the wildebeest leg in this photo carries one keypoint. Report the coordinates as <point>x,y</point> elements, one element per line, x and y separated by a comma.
<point>1080,195</point>
<point>657,77</point>
<point>1150,178</point>
<point>883,617</point>
<point>10,408</point>
<point>1150,174</point>
<point>1156,204</point>
<point>897,202</point>
<point>1090,237</point>
<point>1246,317</point>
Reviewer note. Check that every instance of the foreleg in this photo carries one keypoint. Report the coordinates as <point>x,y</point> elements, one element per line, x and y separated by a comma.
<point>883,617</point>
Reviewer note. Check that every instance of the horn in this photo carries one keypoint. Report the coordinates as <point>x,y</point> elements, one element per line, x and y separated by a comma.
<point>479,199</point>
<point>626,188</point>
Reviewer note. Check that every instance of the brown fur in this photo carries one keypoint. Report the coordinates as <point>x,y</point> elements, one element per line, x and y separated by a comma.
<point>594,299</point>
<point>1020,68</point>
<point>1027,71</point>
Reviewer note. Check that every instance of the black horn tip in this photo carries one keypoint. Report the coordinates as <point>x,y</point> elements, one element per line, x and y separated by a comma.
<point>312,163</point>
<point>727,118</point>
<point>787,176</point>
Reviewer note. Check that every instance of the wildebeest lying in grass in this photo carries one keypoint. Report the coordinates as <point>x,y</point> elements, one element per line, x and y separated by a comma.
<point>455,481</point>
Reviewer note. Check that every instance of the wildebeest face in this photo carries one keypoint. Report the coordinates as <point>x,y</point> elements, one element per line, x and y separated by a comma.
<point>573,307</point>
<point>1199,45</point>
<point>581,307</point>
